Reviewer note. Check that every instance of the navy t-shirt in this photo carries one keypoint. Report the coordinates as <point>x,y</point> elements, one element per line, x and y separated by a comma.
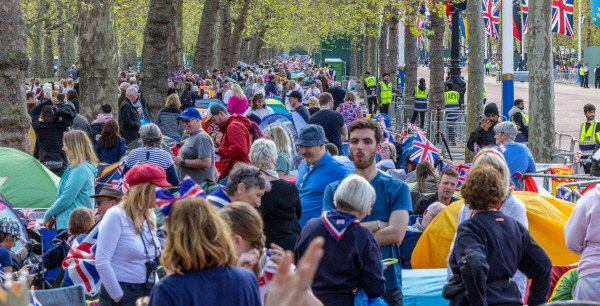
<point>331,121</point>
<point>303,111</point>
<point>392,194</point>
<point>227,285</point>
<point>5,258</point>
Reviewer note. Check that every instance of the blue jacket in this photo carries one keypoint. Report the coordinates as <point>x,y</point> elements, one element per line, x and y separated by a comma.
<point>111,156</point>
<point>74,190</point>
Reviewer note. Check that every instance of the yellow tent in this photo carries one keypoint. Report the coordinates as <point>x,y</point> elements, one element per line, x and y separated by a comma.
<point>546,215</point>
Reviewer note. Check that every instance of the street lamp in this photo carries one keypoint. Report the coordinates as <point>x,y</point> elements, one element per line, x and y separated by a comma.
<point>454,77</point>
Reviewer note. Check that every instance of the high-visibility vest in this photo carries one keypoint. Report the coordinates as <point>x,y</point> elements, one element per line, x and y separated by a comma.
<point>588,138</point>
<point>371,84</point>
<point>399,84</point>
<point>484,95</point>
<point>421,99</point>
<point>581,70</point>
<point>386,93</point>
<point>488,65</point>
<point>451,99</point>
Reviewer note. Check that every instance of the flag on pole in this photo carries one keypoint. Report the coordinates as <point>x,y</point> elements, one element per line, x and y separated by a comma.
<point>491,15</point>
<point>595,7</point>
<point>562,17</point>
<point>517,27</point>
<point>524,12</point>
<point>423,149</point>
<point>577,156</point>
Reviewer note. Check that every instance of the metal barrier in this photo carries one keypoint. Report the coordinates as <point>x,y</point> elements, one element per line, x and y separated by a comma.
<point>455,133</point>
<point>548,177</point>
<point>574,193</point>
<point>566,76</point>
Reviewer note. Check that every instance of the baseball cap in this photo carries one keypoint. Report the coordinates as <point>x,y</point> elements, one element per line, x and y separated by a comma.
<point>214,109</point>
<point>189,113</point>
<point>295,94</point>
<point>147,173</point>
<point>311,135</point>
<point>313,82</point>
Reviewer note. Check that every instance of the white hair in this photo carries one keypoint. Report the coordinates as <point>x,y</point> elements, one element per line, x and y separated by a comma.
<point>356,193</point>
<point>130,91</point>
<point>508,128</point>
<point>263,154</point>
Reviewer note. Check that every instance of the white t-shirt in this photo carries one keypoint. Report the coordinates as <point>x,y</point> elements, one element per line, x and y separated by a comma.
<point>226,96</point>
<point>279,88</point>
<point>257,87</point>
<point>260,113</point>
<point>312,92</point>
<point>301,91</point>
<point>388,163</point>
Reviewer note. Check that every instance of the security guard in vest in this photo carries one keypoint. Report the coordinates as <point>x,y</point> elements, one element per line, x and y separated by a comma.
<point>488,65</point>
<point>451,98</point>
<point>520,119</point>
<point>588,136</point>
<point>370,84</point>
<point>484,95</point>
<point>581,73</point>
<point>421,95</point>
<point>384,93</point>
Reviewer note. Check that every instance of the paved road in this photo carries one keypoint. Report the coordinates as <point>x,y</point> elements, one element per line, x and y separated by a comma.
<point>569,100</point>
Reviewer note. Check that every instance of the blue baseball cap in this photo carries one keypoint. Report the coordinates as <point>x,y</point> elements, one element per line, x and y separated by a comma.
<point>190,113</point>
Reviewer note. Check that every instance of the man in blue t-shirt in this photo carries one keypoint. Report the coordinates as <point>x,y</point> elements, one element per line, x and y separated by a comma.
<point>389,218</point>
<point>317,170</point>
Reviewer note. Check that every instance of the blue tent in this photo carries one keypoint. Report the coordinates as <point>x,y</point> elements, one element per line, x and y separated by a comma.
<point>291,123</point>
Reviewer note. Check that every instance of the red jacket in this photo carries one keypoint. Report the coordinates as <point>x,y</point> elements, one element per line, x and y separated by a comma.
<point>235,145</point>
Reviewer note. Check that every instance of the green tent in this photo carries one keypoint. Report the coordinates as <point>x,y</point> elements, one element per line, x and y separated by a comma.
<point>24,181</point>
<point>277,106</point>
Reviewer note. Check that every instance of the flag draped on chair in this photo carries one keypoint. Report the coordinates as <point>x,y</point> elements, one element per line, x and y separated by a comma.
<point>80,264</point>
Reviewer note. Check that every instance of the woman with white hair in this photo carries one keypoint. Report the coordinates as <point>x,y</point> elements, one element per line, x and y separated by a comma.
<point>151,153</point>
<point>237,103</point>
<point>517,155</point>
<point>510,206</point>
<point>280,208</point>
<point>353,256</point>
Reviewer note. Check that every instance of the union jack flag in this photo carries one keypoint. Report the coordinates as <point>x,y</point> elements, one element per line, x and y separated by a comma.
<point>423,21</point>
<point>80,264</point>
<point>423,149</point>
<point>178,75</point>
<point>188,188</point>
<point>562,17</point>
<point>491,14</point>
<point>463,170</point>
<point>524,12</point>
<point>416,129</point>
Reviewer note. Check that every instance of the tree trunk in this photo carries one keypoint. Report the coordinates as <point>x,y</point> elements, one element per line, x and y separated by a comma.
<point>541,81</point>
<point>225,37</point>
<point>392,59</point>
<point>365,53</point>
<point>206,36</point>
<point>436,74</point>
<point>68,35</point>
<point>153,73</point>
<point>476,70</point>
<point>257,46</point>
<point>410,56</point>
<point>96,57</point>
<point>244,54</point>
<point>373,55</point>
<point>48,54</point>
<point>236,37</point>
<point>354,45</point>
<point>14,121</point>
<point>36,51</point>
<point>175,40</point>
<point>383,47</point>
<point>63,66</point>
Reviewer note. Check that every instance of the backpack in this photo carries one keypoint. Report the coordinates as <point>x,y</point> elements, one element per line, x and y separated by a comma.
<point>186,100</point>
<point>64,116</point>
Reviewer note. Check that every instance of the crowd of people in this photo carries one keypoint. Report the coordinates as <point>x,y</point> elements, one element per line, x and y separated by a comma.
<point>241,224</point>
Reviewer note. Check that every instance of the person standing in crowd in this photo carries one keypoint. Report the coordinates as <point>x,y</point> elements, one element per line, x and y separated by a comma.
<point>350,110</point>
<point>518,117</point>
<point>517,156</point>
<point>586,76</point>
<point>317,170</point>
<point>388,156</point>
<point>72,97</point>
<point>167,118</point>
<point>280,207</point>
<point>49,138</point>
<point>384,93</point>
<point>258,85</point>
<point>110,146</point>
<point>446,184</point>
<point>313,91</point>
<point>284,149</point>
<point>452,105</point>
<point>127,245</point>
<point>76,184</point>
<point>150,152</point>
<point>246,183</point>
<point>370,86</point>
<point>589,135</point>
<point>235,144</point>
<point>337,93</point>
<point>97,125</point>
<point>201,261</point>
<point>237,103</point>
<point>295,99</point>
<point>323,80</point>
<point>332,122</point>
<point>421,95</point>
<point>196,157</point>
<point>107,198</point>
<point>582,236</point>
<point>301,88</point>
<point>426,178</point>
<point>484,134</point>
<point>388,219</point>
<point>353,255</point>
<point>489,237</point>
<point>129,116</point>
<point>259,107</point>
<point>270,87</point>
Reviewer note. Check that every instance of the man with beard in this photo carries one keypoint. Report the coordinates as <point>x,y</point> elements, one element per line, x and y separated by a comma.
<point>389,218</point>
<point>317,170</point>
<point>484,134</point>
<point>446,184</point>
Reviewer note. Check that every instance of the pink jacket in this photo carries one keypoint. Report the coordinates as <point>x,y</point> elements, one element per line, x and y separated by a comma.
<point>237,105</point>
<point>582,232</point>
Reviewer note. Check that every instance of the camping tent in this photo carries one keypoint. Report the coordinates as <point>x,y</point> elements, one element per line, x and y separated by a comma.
<point>27,183</point>
<point>277,106</point>
<point>7,211</point>
<point>546,215</point>
<point>291,125</point>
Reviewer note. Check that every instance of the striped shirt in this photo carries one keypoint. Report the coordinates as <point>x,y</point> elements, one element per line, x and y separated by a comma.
<point>155,156</point>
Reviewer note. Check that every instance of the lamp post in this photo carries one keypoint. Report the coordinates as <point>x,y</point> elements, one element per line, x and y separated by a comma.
<point>508,87</point>
<point>454,77</point>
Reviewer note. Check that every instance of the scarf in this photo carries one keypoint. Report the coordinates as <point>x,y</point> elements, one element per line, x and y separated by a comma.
<point>103,118</point>
<point>336,222</point>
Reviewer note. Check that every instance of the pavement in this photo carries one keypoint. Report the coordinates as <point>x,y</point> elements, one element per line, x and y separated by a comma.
<point>569,100</point>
